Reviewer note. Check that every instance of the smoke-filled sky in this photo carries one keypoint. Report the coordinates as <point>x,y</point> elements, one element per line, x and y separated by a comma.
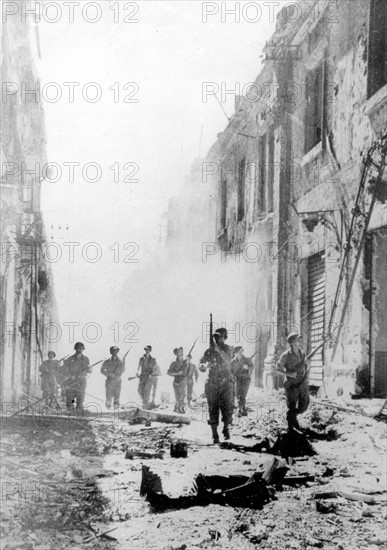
<point>166,56</point>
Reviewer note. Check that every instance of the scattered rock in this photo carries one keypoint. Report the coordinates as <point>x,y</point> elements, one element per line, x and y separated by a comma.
<point>48,443</point>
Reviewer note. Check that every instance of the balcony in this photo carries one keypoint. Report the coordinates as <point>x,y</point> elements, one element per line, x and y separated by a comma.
<point>376,110</point>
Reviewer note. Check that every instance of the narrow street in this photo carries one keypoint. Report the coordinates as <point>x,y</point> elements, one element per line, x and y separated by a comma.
<point>193,290</point>
<point>69,484</point>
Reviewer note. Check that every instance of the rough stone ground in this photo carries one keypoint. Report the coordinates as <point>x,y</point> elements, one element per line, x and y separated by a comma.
<point>93,488</point>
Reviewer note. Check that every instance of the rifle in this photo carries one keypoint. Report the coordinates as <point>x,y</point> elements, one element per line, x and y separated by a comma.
<point>193,345</point>
<point>254,354</point>
<point>123,359</point>
<point>63,358</point>
<point>132,378</point>
<point>212,342</point>
<point>97,363</point>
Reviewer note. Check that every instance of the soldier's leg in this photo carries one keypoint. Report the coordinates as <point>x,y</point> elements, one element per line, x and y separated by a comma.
<point>140,389</point>
<point>239,395</point>
<point>109,393</point>
<point>176,394</point>
<point>227,407</point>
<point>190,384</point>
<point>243,394</point>
<point>292,393</point>
<point>117,392</point>
<point>52,392</point>
<point>212,394</point>
<point>147,392</point>
<point>155,381</point>
<point>183,394</point>
<point>303,398</point>
<point>44,390</point>
<point>81,390</point>
<point>70,396</point>
<point>180,389</point>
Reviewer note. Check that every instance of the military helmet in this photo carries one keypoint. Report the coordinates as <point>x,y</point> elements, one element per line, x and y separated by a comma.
<point>221,332</point>
<point>78,344</point>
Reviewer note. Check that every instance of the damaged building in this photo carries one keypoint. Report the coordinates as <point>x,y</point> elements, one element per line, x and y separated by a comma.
<point>27,297</point>
<point>300,194</point>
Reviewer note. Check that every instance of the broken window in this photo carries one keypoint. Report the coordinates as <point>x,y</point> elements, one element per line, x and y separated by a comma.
<point>377,47</point>
<point>241,189</point>
<point>262,173</point>
<point>314,92</point>
<point>223,203</point>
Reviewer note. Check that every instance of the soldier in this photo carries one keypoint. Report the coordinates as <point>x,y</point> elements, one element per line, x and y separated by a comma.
<point>192,373</point>
<point>48,372</point>
<point>293,365</point>
<point>178,369</point>
<point>113,368</point>
<point>146,371</point>
<point>242,368</point>
<point>219,388</point>
<point>76,370</point>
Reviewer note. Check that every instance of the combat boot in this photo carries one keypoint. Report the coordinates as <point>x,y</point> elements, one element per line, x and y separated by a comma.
<point>215,435</point>
<point>226,433</point>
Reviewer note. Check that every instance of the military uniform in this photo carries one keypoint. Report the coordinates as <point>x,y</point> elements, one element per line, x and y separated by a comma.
<point>242,370</point>
<point>219,387</point>
<point>180,370</point>
<point>113,369</point>
<point>76,370</point>
<point>147,367</point>
<point>192,374</point>
<point>48,372</point>
<point>296,389</point>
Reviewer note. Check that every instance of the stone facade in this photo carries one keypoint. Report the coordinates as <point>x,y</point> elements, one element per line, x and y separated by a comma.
<point>27,298</point>
<point>287,169</point>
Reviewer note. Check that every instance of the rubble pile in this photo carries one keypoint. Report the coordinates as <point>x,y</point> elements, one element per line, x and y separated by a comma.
<point>50,492</point>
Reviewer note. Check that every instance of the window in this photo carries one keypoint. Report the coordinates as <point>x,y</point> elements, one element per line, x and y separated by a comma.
<point>262,145</point>
<point>377,47</point>
<point>223,203</point>
<point>314,92</point>
<point>270,174</point>
<point>241,189</point>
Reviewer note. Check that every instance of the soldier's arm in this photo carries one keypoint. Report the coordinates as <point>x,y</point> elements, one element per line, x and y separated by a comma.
<point>250,365</point>
<point>87,368</point>
<point>196,372</point>
<point>172,370</point>
<point>280,366</point>
<point>205,361</point>
<point>156,370</point>
<point>103,369</point>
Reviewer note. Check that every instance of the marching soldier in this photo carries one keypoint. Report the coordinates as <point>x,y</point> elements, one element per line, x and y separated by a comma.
<point>178,369</point>
<point>242,368</point>
<point>192,373</point>
<point>146,371</point>
<point>48,372</point>
<point>219,388</point>
<point>113,368</point>
<point>293,365</point>
<point>76,371</point>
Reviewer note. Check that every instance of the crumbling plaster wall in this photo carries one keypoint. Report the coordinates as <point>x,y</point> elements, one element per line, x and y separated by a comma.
<point>329,177</point>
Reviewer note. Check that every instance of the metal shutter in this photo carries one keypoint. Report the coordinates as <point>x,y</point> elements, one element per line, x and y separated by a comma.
<point>316,310</point>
